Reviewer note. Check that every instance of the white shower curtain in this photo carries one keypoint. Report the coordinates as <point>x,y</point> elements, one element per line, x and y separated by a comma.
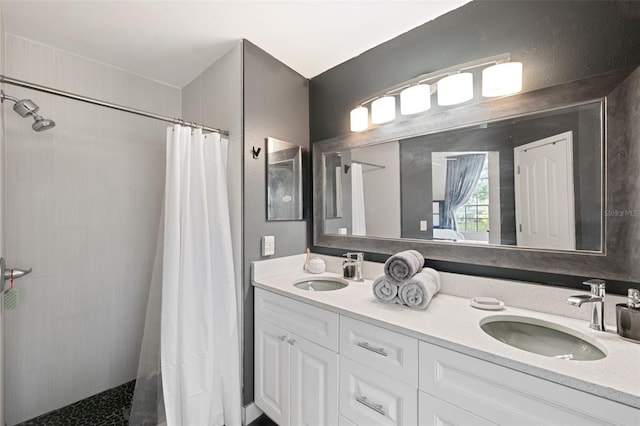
<point>190,355</point>
<point>359,223</point>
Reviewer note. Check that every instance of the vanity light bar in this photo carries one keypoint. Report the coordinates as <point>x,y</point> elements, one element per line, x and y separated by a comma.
<point>453,85</point>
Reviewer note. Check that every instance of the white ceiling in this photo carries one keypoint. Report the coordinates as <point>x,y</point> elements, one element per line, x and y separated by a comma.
<point>174,41</point>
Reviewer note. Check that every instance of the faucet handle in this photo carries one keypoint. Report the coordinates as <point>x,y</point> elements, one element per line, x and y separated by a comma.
<point>600,284</point>
<point>359,256</point>
<point>597,287</point>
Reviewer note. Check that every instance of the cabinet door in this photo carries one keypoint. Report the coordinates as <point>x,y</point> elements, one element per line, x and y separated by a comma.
<point>272,371</point>
<point>314,384</point>
<point>435,412</point>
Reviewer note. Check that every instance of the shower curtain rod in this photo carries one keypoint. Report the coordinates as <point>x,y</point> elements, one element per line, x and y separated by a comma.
<point>45,89</point>
<point>375,166</point>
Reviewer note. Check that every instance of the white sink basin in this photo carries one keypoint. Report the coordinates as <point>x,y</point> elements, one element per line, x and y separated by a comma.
<point>320,284</point>
<point>542,337</point>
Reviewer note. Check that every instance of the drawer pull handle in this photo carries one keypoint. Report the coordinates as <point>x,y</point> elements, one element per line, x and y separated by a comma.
<point>375,407</point>
<point>367,346</point>
<point>283,338</point>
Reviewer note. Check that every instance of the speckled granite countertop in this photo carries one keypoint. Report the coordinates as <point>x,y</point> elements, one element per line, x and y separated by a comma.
<point>449,321</point>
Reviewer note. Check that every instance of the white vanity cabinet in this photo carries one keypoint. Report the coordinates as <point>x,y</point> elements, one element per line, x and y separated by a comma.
<point>315,367</point>
<point>296,367</point>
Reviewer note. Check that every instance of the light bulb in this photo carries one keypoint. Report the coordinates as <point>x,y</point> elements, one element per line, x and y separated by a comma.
<point>502,79</point>
<point>383,109</point>
<point>415,99</point>
<point>359,119</point>
<point>455,89</point>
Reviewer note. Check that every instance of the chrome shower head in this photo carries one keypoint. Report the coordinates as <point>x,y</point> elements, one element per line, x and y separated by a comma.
<point>25,108</point>
<point>42,124</point>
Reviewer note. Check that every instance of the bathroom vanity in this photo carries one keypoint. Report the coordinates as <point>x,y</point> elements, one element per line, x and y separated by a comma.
<point>341,357</point>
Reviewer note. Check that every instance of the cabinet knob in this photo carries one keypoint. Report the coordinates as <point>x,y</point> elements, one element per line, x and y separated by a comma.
<point>283,338</point>
<point>292,341</point>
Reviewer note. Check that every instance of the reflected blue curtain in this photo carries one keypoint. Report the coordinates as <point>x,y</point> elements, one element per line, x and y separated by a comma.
<point>463,172</point>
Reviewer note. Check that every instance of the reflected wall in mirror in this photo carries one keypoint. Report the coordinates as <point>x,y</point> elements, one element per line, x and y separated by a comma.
<point>284,181</point>
<point>333,185</point>
<point>531,181</point>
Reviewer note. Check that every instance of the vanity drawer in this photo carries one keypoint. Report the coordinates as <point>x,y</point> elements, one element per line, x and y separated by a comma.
<point>317,325</point>
<point>433,411</point>
<point>506,397</point>
<point>369,398</point>
<point>383,350</point>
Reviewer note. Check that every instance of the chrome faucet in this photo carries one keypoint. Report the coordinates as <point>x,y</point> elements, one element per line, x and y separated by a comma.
<point>357,262</point>
<point>596,298</point>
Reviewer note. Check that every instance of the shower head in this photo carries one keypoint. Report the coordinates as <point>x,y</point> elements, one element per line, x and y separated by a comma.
<point>25,108</point>
<point>42,124</point>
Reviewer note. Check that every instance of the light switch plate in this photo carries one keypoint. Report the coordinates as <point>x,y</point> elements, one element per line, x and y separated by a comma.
<point>268,245</point>
<point>423,225</point>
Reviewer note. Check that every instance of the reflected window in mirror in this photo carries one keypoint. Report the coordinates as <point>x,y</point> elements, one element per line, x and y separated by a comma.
<point>461,190</point>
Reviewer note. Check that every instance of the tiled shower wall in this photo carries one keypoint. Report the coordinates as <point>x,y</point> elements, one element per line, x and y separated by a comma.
<point>83,205</point>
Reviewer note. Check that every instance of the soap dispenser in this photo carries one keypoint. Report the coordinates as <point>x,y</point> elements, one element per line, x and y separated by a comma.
<point>628,316</point>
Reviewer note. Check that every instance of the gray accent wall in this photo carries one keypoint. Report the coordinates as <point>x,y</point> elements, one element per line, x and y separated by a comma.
<point>557,41</point>
<point>276,104</point>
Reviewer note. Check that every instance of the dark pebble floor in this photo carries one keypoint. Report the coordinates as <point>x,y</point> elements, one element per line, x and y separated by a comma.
<point>108,408</point>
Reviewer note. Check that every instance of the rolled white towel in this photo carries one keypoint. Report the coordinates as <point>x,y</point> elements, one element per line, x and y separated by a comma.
<point>418,291</point>
<point>402,266</point>
<point>386,289</point>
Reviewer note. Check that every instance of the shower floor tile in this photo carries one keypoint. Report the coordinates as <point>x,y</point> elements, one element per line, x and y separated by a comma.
<point>108,408</point>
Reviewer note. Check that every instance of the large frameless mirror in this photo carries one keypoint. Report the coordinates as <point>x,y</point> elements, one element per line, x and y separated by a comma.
<point>284,181</point>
